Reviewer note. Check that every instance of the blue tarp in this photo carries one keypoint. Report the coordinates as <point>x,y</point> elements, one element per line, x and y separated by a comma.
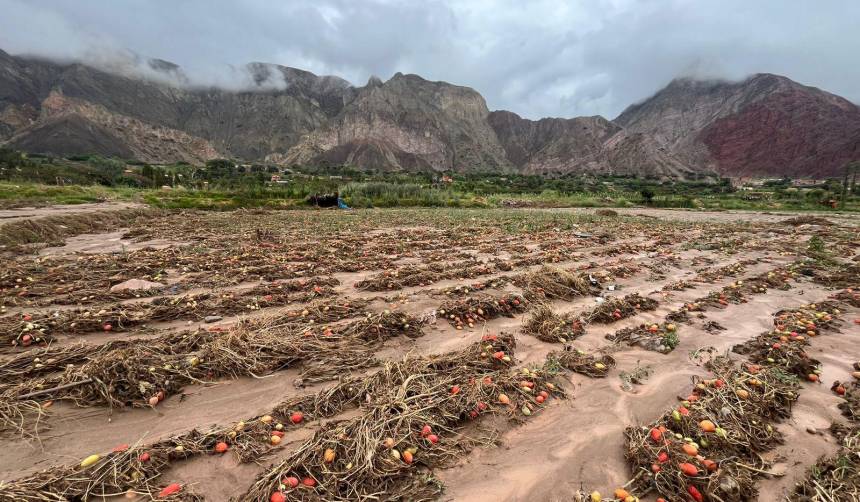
<point>341,204</point>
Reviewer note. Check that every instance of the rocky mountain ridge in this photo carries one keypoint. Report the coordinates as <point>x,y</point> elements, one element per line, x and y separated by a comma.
<point>766,125</point>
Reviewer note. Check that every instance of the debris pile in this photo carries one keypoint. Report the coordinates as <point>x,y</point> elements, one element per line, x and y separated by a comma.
<point>547,326</point>
<point>477,309</point>
<point>709,447</point>
<point>614,309</point>
<point>661,337</point>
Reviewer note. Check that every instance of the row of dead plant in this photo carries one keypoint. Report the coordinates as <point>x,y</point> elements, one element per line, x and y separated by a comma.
<point>39,328</point>
<point>552,283</point>
<point>663,336</point>
<point>412,275</point>
<point>56,358</point>
<point>710,447</point>
<point>53,229</point>
<point>784,346</point>
<point>145,373</point>
<point>408,430</point>
<point>836,477</point>
<point>472,381</point>
<point>615,309</point>
<point>581,362</point>
<point>547,326</point>
<point>476,309</point>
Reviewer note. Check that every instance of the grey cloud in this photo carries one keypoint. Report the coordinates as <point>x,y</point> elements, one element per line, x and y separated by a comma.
<point>536,58</point>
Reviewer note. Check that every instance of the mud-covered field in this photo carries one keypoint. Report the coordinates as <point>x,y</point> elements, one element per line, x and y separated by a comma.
<point>428,355</point>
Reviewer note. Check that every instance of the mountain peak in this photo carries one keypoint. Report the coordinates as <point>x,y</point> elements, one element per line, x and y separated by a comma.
<point>764,125</point>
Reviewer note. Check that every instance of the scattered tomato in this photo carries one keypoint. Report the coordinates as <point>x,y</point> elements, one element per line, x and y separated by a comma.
<point>689,469</point>
<point>169,490</point>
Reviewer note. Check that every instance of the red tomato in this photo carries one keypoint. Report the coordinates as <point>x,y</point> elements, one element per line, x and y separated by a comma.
<point>169,490</point>
<point>277,497</point>
<point>297,417</point>
<point>309,482</point>
<point>221,447</point>
<point>695,493</point>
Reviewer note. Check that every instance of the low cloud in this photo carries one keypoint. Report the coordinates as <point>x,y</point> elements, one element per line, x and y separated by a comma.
<point>537,58</point>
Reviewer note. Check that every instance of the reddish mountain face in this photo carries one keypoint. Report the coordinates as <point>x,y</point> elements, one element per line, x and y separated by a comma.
<point>766,125</point>
<point>791,133</point>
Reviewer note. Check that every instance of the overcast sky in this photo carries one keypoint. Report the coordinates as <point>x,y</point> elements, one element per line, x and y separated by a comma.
<point>534,57</point>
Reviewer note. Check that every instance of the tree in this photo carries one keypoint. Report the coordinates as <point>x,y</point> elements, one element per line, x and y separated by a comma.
<point>647,194</point>
<point>220,168</point>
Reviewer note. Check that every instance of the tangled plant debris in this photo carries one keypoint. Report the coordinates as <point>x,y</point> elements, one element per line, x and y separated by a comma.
<point>144,374</point>
<point>478,309</point>
<point>548,326</point>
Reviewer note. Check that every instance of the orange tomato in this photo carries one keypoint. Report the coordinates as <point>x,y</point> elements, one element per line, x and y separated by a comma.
<point>689,469</point>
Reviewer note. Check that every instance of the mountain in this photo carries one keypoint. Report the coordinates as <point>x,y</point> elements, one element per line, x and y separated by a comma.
<point>77,109</point>
<point>765,126</point>
<point>407,122</point>
<point>581,145</point>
